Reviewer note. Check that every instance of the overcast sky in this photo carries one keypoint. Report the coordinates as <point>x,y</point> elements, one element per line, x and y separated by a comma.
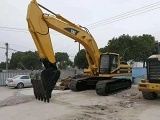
<point>85,13</point>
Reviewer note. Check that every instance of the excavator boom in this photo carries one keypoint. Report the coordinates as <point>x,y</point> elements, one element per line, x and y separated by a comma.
<point>39,24</point>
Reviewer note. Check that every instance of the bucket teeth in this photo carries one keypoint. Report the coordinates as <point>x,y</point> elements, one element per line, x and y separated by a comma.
<point>43,86</point>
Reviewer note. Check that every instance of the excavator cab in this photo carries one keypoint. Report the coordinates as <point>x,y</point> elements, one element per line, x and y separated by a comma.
<point>108,63</point>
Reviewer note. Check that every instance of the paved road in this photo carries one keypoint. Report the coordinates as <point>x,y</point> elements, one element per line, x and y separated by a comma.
<point>152,112</point>
<point>6,93</point>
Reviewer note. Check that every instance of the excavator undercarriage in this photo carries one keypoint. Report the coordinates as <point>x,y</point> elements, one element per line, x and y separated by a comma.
<point>103,85</point>
<point>45,81</point>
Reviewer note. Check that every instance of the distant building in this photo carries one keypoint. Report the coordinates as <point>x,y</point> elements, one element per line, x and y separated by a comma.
<point>138,73</point>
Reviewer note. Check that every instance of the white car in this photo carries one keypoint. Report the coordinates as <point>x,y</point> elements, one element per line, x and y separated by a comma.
<point>19,81</point>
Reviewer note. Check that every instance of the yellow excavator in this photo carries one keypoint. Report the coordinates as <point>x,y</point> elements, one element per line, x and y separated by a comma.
<point>102,69</point>
<point>150,86</point>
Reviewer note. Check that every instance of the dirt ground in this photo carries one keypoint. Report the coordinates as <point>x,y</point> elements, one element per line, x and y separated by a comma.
<point>86,105</point>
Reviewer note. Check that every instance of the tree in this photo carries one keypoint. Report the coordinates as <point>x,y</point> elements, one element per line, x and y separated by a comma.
<point>61,56</point>
<point>15,58</point>
<point>31,60</point>
<point>2,65</point>
<point>70,63</point>
<point>25,60</point>
<point>80,60</point>
<point>131,49</point>
<point>63,60</point>
<point>121,45</point>
<point>104,50</point>
<point>143,47</point>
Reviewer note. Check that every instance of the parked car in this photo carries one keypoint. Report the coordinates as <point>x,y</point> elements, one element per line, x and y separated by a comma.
<point>19,81</point>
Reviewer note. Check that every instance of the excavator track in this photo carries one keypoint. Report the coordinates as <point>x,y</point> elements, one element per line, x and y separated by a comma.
<point>104,86</point>
<point>78,84</point>
<point>107,87</point>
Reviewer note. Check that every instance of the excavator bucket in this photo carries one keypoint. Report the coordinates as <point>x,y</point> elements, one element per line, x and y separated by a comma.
<point>44,83</point>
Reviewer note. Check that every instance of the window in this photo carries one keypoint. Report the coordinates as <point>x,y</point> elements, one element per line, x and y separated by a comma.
<point>104,64</point>
<point>15,77</point>
<point>114,62</point>
<point>24,77</point>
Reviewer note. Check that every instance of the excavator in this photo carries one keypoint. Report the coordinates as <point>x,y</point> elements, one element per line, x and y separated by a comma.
<point>103,70</point>
<point>150,86</point>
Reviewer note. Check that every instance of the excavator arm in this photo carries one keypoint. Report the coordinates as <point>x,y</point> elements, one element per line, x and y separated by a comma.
<point>39,24</point>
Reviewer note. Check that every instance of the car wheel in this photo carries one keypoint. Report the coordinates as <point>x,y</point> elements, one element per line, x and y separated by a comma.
<point>20,85</point>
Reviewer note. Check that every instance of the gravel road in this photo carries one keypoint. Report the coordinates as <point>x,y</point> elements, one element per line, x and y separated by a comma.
<point>20,104</point>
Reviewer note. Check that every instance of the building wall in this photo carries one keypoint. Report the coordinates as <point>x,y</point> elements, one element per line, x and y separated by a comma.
<point>137,74</point>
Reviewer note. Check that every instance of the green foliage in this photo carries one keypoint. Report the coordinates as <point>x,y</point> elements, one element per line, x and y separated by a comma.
<point>104,50</point>
<point>132,48</point>
<point>143,47</point>
<point>121,45</point>
<point>70,63</point>
<point>61,56</point>
<point>15,59</point>
<point>63,60</point>
<point>2,65</point>
<point>62,65</point>
<point>25,60</point>
<point>80,59</point>
<point>31,60</point>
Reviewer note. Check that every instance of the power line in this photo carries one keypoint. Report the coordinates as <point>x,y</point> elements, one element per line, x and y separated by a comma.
<point>125,15</point>
<point>116,18</point>
<point>18,30</point>
<point>8,29</point>
<point>129,12</point>
<point>22,46</point>
<point>3,47</point>
<point>12,28</point>
<point>12,44</point>
<point>109,22</point>
<point>13,50</point>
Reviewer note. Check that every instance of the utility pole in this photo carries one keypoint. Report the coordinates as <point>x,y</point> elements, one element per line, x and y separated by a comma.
<point>78,46</point>
<point>6,56</point>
